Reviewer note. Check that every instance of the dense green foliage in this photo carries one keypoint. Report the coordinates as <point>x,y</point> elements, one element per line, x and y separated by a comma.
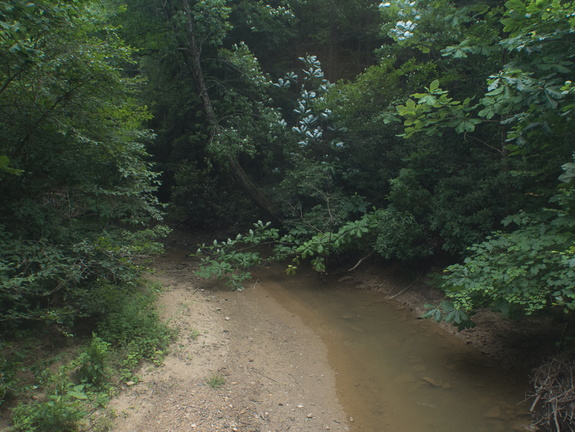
<point>62,389</point>
<point>75,177</point>
<point>527,267</point>
<point>78,212</point>
<point>429,131</point>
<point>458,122</point>
<point>450,145</point>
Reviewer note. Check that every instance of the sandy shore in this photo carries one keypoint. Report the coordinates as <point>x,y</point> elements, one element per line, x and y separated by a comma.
<point>276,371</point>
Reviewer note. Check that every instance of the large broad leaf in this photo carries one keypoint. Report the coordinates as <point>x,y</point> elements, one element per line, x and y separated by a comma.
<point>569,174</point>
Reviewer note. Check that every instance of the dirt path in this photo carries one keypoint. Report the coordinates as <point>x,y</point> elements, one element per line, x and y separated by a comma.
<point>277,376</point>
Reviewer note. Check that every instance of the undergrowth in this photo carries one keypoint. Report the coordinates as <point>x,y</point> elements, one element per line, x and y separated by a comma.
<point>54,382</point>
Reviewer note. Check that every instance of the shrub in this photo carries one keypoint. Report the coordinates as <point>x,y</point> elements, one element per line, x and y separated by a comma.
<point>92,363</point>
<point>132,327</point>
<point>61,410</point>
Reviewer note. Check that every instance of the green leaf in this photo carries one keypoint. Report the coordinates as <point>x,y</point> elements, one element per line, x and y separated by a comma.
<point>78,394</point>
<point>5,166</point>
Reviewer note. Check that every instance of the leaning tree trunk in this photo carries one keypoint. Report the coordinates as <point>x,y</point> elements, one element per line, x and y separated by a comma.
<point>192,56</point>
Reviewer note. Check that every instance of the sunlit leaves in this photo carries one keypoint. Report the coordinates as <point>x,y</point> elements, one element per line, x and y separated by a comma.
<point>246,63</point>
<point>312,119</point>
<point>546,15</point>
<point>568,173</point>
<point>527,95</point>
<point>211,20</point>
<point>434,111</point>
<point>432,24</point>
<point>231,260</point>
<point>528,269</point>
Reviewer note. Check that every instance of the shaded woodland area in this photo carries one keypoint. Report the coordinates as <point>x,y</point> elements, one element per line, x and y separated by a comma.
<point>435,133</point>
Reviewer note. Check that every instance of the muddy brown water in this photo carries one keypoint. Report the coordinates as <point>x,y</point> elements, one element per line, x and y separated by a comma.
<point>396,373</point>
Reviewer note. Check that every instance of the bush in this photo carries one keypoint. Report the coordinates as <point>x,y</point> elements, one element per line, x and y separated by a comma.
<point>129,332</point>
<point>526,270</point>
<point>41,281</point>
<point>61,410</point>
<point>133,319</point>
<point>400,236</point>
<point>10,362</point>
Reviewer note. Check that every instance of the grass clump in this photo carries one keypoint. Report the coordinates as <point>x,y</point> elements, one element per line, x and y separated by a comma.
<point>216,381</point>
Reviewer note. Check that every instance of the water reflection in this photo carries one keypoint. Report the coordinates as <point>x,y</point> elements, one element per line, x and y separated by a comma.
<point>400,374</point>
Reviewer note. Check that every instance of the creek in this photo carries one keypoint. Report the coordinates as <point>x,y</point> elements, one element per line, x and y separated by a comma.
<point>396,373</point>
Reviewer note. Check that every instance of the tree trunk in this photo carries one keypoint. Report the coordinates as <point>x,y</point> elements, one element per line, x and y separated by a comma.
<point>192,56</point>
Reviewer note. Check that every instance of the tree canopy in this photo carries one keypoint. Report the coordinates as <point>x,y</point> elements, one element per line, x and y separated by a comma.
<point>430,131</point>
<point>75,171</point>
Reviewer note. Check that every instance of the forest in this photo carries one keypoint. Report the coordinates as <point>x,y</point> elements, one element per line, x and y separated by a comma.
<point>435,133</point>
